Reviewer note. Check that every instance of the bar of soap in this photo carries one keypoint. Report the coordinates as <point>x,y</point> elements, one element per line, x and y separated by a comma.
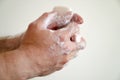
<point>61,10</point>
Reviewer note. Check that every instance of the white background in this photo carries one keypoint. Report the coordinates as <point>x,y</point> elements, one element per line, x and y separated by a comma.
<point>101,58</point>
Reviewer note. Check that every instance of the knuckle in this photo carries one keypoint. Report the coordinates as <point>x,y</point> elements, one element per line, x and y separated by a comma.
<point>31,25</point>
<point>45,14</point>
<point>62,38</point>
<point>64,61</point>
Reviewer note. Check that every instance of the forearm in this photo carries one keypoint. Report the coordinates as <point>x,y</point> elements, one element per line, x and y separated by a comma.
<point>3,68</point>
<point>9,42</point>
<point>14,65</point>
<point>18,65</point>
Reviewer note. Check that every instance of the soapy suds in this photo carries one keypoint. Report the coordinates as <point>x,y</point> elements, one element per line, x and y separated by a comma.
<point>61,9</point>
<point>61,44</point>
<point>62,19</point>
<point>78,37</point>
<point>49,19</point>
<point>64,15</point>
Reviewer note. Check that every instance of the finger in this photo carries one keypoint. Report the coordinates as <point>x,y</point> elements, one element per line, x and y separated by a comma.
<point>60,21</point>
<point>63,20</point>
<point>76,47</point>
<point>78,40</point>
<point>62,60</point>
<point>53,26</point>
<point>71,51</point>
<point>77,18</point>
<point>69,30</point>
<point>45,19</point>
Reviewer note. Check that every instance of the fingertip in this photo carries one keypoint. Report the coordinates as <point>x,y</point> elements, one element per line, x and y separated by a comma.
<point>77,18</point>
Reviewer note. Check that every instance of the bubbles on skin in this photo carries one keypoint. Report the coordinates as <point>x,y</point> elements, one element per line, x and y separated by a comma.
<point>62,46</point>
<point>63,16</point>
<point>64,19</point>
<point>77,37</point>
<point>61,42</point>
<point>82,43</point>
<point>63,12</point>
<point>61,9</point>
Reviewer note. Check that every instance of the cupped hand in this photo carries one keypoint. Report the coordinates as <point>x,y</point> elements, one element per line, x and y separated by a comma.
<point>49,46</point>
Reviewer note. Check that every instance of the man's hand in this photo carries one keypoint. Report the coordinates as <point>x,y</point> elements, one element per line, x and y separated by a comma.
<point>45,47</point>
<point>51,49</point>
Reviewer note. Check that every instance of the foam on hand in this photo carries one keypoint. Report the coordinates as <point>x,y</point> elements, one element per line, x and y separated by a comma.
<point>61,10</point>
<point>64,15</point>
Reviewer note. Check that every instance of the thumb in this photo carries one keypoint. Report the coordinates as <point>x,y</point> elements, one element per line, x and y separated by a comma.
<point>69,30</point>
<point>44,20</point>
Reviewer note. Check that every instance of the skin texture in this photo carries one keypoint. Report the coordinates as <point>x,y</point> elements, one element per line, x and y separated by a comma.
<point>43,49</point>
<point>9,43</point>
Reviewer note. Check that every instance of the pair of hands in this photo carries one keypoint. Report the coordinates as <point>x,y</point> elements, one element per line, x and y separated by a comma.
<point>47,45</point>
<point>58,44</point>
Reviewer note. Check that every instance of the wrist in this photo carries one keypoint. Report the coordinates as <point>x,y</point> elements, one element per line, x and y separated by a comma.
<point>15,65</point>
<point>21,63</point>
<point>40,61</point>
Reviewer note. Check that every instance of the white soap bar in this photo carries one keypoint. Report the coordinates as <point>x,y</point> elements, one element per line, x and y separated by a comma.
<point>61,10</point>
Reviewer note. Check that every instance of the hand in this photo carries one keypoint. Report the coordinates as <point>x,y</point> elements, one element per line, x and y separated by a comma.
<point>44,48</point>
<point>50,49</point>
